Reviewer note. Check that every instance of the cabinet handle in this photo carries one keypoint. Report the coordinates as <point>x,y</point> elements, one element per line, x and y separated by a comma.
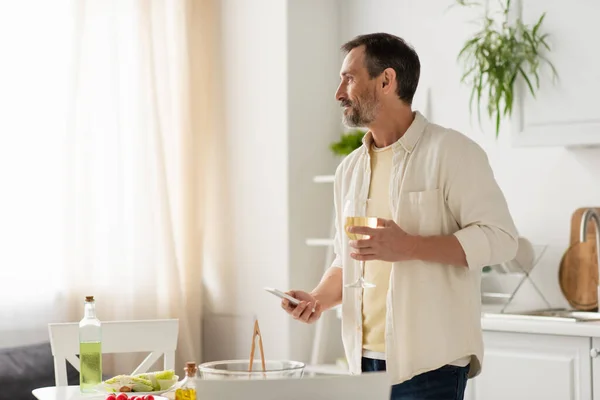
<point>594,353</point>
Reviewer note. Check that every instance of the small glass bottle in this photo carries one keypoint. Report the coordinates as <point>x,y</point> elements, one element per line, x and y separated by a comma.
<point>187,388</point>
<point>90,348</point>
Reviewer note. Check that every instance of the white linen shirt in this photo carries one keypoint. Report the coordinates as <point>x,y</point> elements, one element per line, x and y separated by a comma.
<point>441,184</point>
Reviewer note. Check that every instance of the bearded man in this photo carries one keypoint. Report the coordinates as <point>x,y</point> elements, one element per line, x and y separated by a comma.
<point>441,217</point>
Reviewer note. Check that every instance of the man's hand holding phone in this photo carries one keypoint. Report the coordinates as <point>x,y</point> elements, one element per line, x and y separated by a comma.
<point>309,310</point>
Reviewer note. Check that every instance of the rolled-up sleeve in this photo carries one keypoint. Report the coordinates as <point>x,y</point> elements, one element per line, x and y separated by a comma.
<point>487,232</point>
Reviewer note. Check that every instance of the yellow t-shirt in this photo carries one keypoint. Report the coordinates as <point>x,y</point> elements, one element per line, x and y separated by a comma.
<point>377,272</point>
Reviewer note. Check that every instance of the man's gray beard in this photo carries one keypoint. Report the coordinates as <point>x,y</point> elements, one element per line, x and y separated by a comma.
<point>359,118</point>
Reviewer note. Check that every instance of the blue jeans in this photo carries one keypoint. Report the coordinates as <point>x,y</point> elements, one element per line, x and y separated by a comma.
<point>446,383</point>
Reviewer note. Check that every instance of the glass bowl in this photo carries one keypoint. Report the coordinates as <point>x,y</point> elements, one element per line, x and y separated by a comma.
<point>238,369</point>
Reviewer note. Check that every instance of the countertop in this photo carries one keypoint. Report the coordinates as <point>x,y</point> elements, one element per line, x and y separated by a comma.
<point>540,325</point>
<point>72,393</point>
<point>493,321</point>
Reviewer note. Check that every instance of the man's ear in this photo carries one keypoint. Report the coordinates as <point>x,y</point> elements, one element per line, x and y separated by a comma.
<point>388,78</point>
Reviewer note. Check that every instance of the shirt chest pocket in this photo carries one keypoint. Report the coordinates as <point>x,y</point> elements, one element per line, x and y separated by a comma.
<point>422,212</point>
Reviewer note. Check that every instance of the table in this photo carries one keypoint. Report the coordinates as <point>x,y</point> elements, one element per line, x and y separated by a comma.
<point>71,393</point>
<point>63,392</point>
<point>372,386</point>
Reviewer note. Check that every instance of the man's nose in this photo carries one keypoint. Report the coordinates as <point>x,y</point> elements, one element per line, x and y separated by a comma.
<point>340,93</point>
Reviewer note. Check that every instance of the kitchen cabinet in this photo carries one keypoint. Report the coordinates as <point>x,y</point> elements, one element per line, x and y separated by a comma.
<point>595,356</point>
<point>564,113</point>
<point>525,366</point>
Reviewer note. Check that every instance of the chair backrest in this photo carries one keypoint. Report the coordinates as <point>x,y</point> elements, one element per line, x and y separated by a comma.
<point>159,337</point>
<point>372,386</point>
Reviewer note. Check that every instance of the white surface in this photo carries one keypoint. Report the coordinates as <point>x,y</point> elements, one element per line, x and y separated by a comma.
<point>505,323</point>
<point>280,116</point>
<point>32,259</point>
<point>319,242</point>
<point>71,393</point>
<point>595,369</point>
<point>539,357</point>
<point>222,338</point>
<point>521,366</point>
<point>372,386</point>
<point>543,121</point>
<point>327,328</point>
<point>326,369</point>
<point>159,337</point>
<point>324,178</point>
<point>255,205</point>
<point>314,122</point>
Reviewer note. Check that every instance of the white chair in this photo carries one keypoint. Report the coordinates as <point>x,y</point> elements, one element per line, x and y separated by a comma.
<point>371,386</point>
<point>159,337</point>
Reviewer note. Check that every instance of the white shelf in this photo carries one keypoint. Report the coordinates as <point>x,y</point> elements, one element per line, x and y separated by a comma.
<point>323,179</point>
<point>319,242</point>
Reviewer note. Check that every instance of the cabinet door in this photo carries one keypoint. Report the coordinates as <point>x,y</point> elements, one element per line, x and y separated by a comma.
<point>520,366</point>
<point>566,112</point>
<point>595,357</point>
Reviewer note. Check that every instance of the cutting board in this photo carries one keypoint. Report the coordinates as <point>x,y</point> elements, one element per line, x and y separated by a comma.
<point>578,272</point>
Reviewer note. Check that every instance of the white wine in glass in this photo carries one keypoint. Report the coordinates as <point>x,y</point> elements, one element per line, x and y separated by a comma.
<point>370,222</point>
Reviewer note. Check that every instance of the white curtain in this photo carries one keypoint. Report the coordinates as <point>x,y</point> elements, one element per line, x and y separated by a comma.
<point>129,171</point>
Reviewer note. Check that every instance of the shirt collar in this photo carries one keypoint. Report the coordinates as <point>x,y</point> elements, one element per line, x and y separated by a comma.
<point>410,137</point>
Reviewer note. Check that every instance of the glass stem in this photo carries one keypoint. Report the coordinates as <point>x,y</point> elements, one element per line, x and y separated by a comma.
<point>362,270</point>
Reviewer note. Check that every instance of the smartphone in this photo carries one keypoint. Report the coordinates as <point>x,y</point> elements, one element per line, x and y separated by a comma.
<point>282,295</point>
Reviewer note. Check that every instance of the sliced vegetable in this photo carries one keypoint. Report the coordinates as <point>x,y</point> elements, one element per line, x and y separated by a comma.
<point>165,375</point>
<point>146,382</point>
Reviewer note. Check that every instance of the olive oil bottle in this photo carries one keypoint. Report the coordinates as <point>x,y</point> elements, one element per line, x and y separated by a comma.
<point>187,389</point>
<point>90,348</point>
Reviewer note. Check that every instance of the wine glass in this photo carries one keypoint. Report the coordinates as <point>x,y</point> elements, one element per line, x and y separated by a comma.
<point>370,222</point>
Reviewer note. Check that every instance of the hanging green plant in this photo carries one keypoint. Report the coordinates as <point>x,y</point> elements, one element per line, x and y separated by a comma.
<point>349,142</point>
<point>497,55</point>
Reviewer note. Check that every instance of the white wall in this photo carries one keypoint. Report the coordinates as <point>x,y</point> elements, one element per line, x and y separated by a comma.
<point>280,68</point>
<point>255,147</point>
<point>314,122</point>
<point>543,186</point>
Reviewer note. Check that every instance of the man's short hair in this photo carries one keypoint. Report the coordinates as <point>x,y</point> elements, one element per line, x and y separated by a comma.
<point>383,50</point>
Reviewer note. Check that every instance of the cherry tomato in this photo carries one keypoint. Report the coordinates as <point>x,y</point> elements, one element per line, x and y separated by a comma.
<point>122,396</point>
<point>111,397</point>
<point>135,398</point>
<point>148,397</point>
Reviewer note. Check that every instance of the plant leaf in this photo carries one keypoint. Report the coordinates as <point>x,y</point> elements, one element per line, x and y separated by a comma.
<point>554,71</point>
<point>497,118</point>
<point>479,90</point>
<point>524,75</point>
<point>538,24</point>
<point>542,40</point>
<point>469,72</point>
<point>508,105</point>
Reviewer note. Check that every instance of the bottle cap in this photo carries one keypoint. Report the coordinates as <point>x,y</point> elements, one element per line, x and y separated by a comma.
<point>190,368</point>
<point>89,298</point>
